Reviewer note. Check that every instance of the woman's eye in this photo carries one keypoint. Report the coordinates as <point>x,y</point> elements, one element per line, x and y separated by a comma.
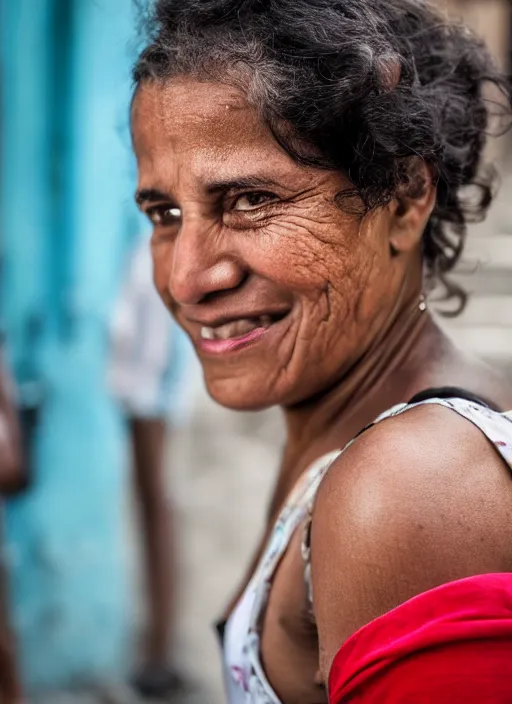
<point>252,201</point>
<point>163,215</point>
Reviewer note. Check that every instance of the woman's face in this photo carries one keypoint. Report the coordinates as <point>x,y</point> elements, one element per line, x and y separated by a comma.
<point>279,289</point>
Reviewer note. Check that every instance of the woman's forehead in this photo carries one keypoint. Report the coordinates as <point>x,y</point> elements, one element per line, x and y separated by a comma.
<point>208,128</point>
<point>212,113</point>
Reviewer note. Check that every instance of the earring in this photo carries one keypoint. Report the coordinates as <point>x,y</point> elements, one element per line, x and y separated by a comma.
<point>422,304</point>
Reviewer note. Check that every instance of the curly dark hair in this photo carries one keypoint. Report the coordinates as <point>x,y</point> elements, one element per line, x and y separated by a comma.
<point>366,87</point>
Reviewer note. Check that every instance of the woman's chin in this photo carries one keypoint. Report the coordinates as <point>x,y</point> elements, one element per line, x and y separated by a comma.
<point>240,395</point>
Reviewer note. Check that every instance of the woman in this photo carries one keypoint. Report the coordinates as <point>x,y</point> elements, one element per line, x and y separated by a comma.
<point>309,167</point>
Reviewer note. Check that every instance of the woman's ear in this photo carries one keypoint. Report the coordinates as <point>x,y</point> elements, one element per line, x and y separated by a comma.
<point>411,209</point>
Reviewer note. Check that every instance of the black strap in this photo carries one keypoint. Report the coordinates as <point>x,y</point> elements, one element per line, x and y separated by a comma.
<point>443,392</point>
<point>453,392</point>
<point>220,627</point>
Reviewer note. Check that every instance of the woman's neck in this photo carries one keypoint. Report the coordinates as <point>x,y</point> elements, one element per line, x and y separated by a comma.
<point>389,372</point>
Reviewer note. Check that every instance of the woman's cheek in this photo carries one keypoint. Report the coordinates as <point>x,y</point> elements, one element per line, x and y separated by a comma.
<point>293,254</point>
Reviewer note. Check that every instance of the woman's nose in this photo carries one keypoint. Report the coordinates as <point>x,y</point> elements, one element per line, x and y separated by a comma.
<point>201,265</point>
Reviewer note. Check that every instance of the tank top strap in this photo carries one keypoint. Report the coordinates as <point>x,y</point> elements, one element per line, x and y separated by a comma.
<point>293,512</point>
<point>495,425</point>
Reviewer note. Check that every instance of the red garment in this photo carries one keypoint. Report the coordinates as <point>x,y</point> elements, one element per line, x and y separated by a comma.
<point>450,645</point>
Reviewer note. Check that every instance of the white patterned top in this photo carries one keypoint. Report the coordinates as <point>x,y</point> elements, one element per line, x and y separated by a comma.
<point>245,680</point>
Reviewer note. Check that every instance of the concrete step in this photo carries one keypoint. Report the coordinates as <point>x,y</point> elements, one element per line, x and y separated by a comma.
<point>487,251</point>
<point>484,281</point>
<point>486,265</point>
<point>484,311</point>
<point>490,342</point>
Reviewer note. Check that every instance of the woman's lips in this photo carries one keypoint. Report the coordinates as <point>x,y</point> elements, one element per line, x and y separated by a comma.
<point>235,334</point>
<point>221,346</point>
<point>235,328</point>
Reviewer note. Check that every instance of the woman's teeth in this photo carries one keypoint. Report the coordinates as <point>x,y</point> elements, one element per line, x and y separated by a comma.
<point>237,328</point>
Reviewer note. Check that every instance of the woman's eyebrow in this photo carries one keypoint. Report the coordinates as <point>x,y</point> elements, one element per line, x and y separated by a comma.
<point>150,195</point>
<point>240,183</point>
<point>154,195</point>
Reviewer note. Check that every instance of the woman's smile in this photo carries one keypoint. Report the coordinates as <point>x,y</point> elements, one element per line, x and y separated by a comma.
<point>236,333</point>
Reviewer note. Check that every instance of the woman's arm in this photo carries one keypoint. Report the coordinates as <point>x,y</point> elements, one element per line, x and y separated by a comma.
<point>418,501</point>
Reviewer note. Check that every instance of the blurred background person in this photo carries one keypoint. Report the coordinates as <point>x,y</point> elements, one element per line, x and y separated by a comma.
<point>13,479</point>
<point>149,375</point>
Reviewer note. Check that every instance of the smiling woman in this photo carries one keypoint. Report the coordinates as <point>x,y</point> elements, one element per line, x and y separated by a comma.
<point>309,169</point>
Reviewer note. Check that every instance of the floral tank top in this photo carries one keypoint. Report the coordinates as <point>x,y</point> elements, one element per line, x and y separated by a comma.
<point>245,680</point>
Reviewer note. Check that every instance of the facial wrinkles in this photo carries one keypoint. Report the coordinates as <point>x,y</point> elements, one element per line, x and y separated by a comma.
<point>296,263</point>
<point>309,225</point>
<point>319,255</point>
<point>351,269</point>
<point>307,262</point>
<point>324,300</point>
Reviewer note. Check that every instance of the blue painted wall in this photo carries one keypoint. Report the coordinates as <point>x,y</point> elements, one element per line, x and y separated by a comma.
<point>67,221</point>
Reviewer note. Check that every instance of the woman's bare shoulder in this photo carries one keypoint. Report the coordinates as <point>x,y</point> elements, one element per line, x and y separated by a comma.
<point>418,500</point>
